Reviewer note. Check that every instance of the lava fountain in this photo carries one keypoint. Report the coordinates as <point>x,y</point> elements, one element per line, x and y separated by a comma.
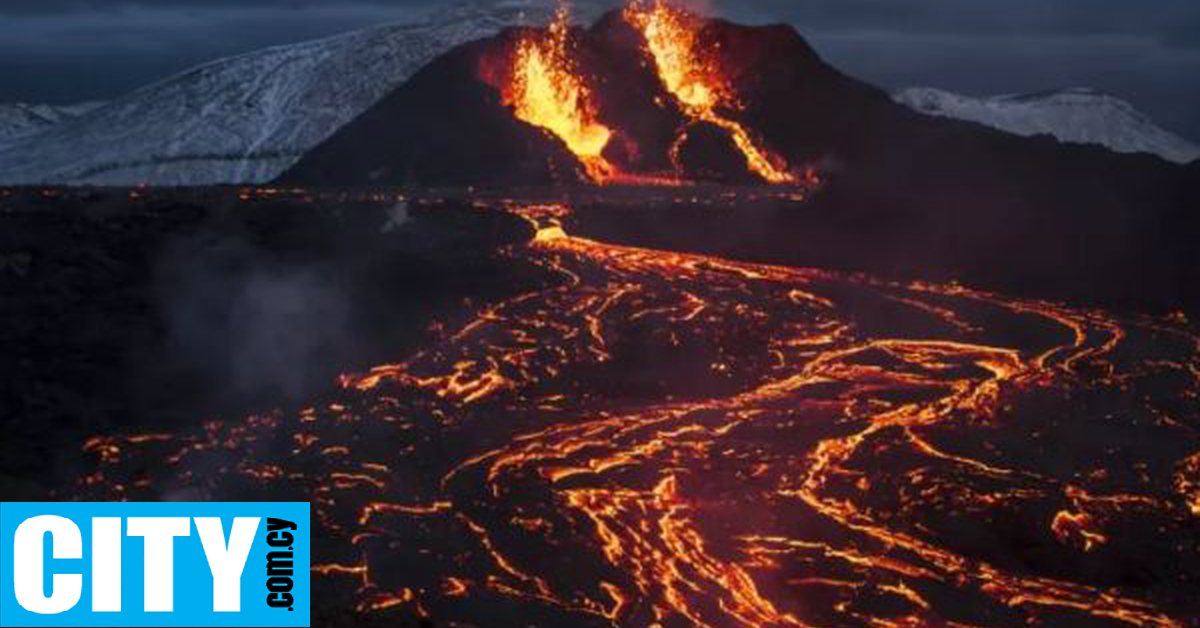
<point>547,91</point>
<point>697,82</point>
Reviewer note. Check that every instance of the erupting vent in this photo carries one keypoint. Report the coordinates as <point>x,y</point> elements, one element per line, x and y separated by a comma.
<point>547,91</point>
<point>697,82</point>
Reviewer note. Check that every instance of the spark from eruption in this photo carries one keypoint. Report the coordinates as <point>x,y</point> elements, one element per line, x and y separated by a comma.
<point>547,91</point>
<point>697,83</point>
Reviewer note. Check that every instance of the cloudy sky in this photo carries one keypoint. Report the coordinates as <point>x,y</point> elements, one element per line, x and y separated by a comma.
<point>1147,51</point>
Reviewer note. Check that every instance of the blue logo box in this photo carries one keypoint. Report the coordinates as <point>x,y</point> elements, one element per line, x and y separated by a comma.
<point>154,564</point>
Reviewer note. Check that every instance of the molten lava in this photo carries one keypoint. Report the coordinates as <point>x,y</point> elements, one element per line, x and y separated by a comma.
<point>697,82</point>
<point>547,91</point>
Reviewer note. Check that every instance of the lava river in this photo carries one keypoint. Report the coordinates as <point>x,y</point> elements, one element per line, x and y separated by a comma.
<point>666,439</point>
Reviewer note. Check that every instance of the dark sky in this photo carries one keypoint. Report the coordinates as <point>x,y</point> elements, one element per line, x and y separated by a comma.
<point>1147,51</point>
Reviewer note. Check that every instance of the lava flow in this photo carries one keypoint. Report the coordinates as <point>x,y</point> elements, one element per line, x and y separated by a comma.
<point>697,82</point>
<point>654,438</point>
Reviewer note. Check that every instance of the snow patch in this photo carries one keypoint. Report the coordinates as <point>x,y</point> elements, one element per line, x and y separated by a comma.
<point>245,119</point>
<point>1077,115</point>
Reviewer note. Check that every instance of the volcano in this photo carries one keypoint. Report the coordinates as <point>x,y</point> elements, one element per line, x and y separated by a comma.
<point>680,99</point>
<point>659,322</point>
<point>669,92</point>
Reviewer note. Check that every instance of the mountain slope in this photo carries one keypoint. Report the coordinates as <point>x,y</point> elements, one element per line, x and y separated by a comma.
<point>245,118</point>
<point>20,119</point>
<point>1081,116</point>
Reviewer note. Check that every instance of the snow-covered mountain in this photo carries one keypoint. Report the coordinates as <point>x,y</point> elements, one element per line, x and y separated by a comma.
<point>1080,115</point>
<point>247,118</point>
<point>18,118</point>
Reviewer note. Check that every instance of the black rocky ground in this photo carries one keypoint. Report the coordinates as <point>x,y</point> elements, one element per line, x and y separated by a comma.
<point>146,309</point>
<point>152,310</point>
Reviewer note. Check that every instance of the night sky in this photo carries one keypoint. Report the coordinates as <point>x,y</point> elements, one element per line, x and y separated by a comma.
<point>1147,52</point>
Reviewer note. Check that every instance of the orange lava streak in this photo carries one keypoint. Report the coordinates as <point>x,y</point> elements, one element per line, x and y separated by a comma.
<point>546,91</point>
<point>698,84</point>
<point>1187,482</point>
<point>674,558</point>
